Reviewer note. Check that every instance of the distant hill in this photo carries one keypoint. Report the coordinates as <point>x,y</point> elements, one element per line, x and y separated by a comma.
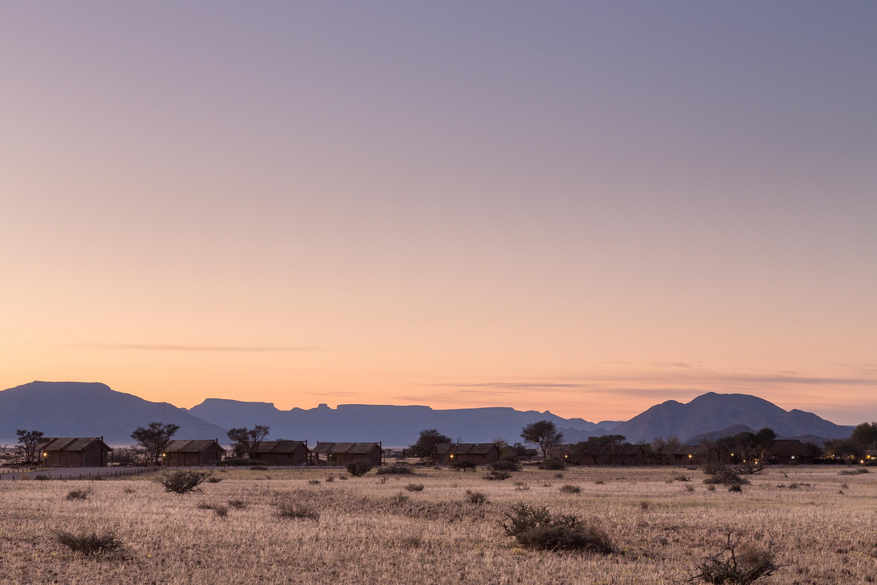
<point>70,409</point>
<point>80,409</point>
<point>716,435</point>
<point>710,412</point>
<point>394,425</point>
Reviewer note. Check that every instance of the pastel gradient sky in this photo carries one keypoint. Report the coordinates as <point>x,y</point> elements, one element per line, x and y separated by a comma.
<point>588,208</point>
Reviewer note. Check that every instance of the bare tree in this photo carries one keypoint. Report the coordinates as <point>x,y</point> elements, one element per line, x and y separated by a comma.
<point>29,445</point>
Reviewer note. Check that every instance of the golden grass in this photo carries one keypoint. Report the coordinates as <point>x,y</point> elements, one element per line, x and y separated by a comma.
<point>367,533</point>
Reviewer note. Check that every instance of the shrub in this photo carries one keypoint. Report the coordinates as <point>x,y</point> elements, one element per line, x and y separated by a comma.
<point>214,479</point>
<point>463,465</point>
<point>239,462</point>
<point>89,543</point>
<point>681,477</point>
<point>689,488</point>
<point>506,465</point>
<point>732,568</point>
<point>314,481</point>
<point>400,499</point>
<point>41,477</point>
<point>414,487</point>
<point>535,527</point>
<point>358,468</point>
<point>78,494</point>
<point>726,476</point>
<point>395,469</point>
<point>570,489</point>
<point>495,475</point>
<point>237,504</point>
<point>552,465</point>
<point>644,506</point>
<point>183,482</point>
<point>476,497</point>
<point>735,488</point>
<point>330,478</point>
<point>221,511</point>
<point>296,511</point>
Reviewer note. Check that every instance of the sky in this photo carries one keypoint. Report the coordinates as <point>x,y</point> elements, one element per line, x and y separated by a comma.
<point>581,207</point>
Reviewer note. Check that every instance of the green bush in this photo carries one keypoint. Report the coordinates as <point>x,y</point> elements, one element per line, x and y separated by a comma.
<point>395,469</point>
<point>476,497</point>
<point>535,527</point>
<point>495,475</point>
<point>359,468</point>
<point>506,465</point>
<point>89,543</point>
<point>238,462</point>
<point>733,568</point>
<point>78,494</point>
<point>183,482</point>
<point>552,465</point>
<point>463,465</point>
<point>296,511</point>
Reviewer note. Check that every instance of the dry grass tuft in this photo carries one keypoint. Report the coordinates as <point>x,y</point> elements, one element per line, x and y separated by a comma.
<point>89,543</point>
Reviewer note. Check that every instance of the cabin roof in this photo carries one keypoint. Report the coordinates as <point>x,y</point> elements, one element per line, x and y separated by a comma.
<point>52,444</point>
<point>191,446</point>
<point>280,446</point>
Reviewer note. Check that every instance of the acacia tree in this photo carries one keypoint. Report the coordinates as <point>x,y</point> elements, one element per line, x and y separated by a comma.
<point>543,433</point>
<point>29,447</point>
<point>248,440</point>
<point>154,438</point>
<point>866,435</point>
<point>427,444</point>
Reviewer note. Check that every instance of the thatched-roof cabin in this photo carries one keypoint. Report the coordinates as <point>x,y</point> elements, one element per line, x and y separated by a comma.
<point>75,452</point>
<point>344,453</point>
<point>283,453</point>
<point>478,453</point>
<point>185,453</point>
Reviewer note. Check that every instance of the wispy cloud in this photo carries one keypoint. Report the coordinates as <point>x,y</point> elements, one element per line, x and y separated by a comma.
<point>671,364</point>
<point>175,347</point>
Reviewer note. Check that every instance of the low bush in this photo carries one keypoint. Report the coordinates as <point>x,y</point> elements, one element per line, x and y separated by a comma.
<point>358,468</point>
<point>726,476</point>
<point>414,487</point>
<point>183,482</point>
<point>214,479</point>
<point>536,527</point>
<point>296,511</point>
<point>221,511</point>
<point>494,475</point>
<point>395,469</point>
<point>506,465</point>
<point>733,568</point>
<point>237,504</point>
<point>89,543</point>
<point>78,494</point>
<point>476,497</point>
<point>570,489</point>
<point>239,462</point>
<point>314,481</point>
<point>463,465</point>
<point>552,465</point>
<point>41,477</point>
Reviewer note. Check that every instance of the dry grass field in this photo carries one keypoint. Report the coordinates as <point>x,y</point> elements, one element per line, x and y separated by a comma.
<point>373,530</point>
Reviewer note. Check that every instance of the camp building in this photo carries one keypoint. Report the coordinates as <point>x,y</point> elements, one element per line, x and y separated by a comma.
<point>75,452</point>
<point>325,453</point>
<point>184,453</point>
<point>282,453</point>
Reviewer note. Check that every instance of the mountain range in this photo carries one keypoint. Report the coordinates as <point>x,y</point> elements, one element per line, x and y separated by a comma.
<point>91,409</point>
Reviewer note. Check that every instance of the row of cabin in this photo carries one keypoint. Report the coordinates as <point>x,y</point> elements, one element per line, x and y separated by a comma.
<point>278,453</point>
<point>782,452</point>
<point>93,452</point>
